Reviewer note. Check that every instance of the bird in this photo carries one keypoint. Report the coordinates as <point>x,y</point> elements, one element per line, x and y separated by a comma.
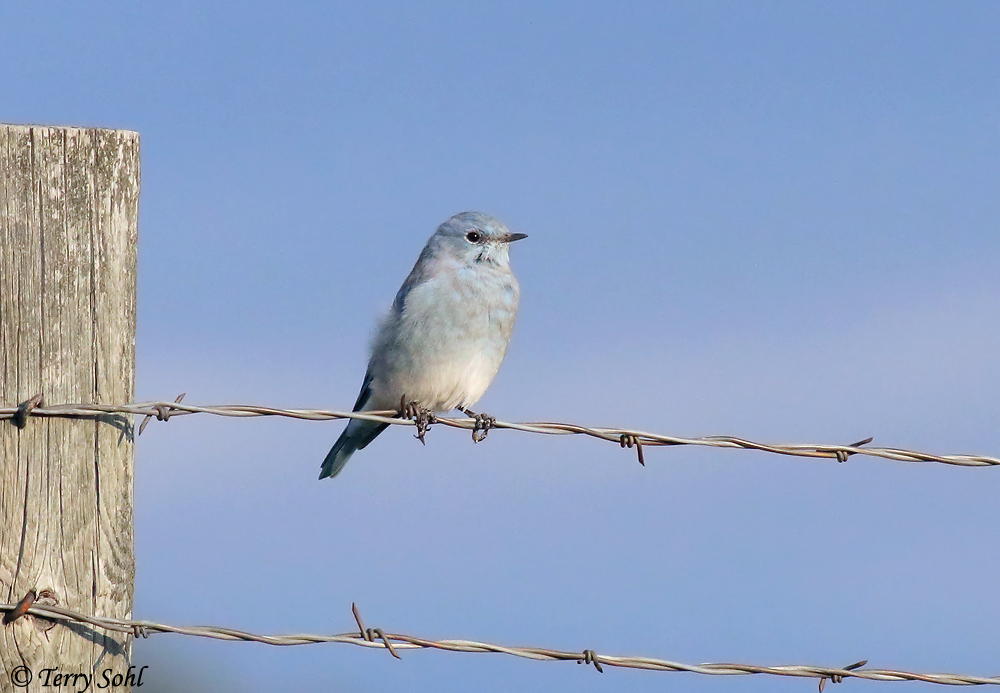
<point>446,333</point>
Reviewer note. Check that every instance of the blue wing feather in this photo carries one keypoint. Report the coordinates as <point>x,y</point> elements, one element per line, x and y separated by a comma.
<point>355,437</point>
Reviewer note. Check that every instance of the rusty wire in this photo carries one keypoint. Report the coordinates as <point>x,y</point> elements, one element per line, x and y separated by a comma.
<point>395,642</point>
<point>163,411</point>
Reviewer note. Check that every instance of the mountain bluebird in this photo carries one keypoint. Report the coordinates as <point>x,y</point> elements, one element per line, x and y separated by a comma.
<point>446,333</point>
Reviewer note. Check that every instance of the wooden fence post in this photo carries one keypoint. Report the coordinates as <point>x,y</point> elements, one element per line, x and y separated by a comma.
<point>68,229</point>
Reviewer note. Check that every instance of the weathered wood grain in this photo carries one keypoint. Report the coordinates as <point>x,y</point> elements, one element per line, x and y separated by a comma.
<point>68,228</point>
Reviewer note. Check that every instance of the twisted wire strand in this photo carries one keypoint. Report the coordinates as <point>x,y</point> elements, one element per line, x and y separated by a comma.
<point>375,637</point>
<point>622,436</point>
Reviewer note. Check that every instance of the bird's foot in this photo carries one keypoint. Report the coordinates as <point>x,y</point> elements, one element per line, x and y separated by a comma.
<point>421,416</point>
<point>482,426</point>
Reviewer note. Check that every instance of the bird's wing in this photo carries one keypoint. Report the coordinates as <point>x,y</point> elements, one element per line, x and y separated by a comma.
<point>366,391</point>
<point>418,275</point>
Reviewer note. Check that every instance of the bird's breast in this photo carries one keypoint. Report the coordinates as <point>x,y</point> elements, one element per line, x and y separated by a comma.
<point>444,346</point>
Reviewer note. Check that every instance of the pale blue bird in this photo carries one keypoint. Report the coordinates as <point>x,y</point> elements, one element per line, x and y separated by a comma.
<point>446,333</point>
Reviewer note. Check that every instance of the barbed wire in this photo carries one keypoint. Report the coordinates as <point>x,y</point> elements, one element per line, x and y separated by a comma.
<point>480,425</point>
<point>394,642</point>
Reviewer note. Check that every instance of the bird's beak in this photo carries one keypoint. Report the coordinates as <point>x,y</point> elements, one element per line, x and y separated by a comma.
<point>511,237</point>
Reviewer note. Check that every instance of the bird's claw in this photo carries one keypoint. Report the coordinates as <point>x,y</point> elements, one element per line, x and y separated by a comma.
<point>422,417</point>
<point>484,422</point>
<point>482,425</point>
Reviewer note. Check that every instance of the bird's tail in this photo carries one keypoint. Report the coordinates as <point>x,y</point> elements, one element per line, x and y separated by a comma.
<point>355,437</point>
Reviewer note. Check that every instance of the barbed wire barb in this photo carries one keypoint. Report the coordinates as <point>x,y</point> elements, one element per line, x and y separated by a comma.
<point>366,637</point>
<point>621,436</point>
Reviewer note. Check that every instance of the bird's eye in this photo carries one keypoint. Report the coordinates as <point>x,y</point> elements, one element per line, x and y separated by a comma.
<point>474,236</point>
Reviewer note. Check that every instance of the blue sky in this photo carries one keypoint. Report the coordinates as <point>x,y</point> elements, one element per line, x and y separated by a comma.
<point>774,220</point>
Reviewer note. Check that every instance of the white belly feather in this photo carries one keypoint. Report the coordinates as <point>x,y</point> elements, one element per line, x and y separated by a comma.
<point>445,347</point>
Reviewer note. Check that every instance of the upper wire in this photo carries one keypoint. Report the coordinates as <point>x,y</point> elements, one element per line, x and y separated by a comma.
<point>622,436</point>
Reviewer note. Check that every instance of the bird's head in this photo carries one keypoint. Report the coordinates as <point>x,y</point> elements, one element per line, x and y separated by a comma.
<point>475,238</point>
